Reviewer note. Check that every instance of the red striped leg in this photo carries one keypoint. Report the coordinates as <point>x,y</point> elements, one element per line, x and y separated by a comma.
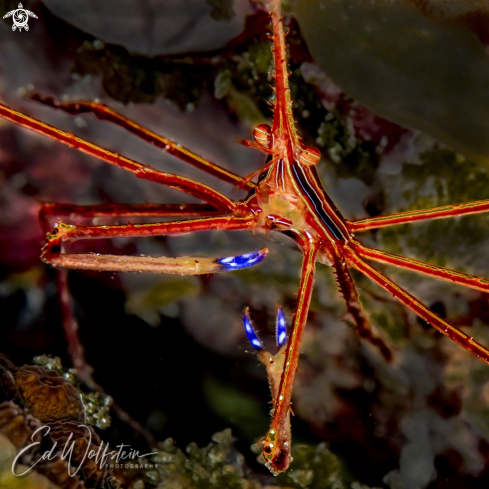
<point>354,307</point>
<point>460,278</point>
<point>178,182</point>
<point>275,452</point>
<point>52,251</point>
<point>416,306</point>
<point>102,112</point>
<point>63,232</point>
<point>55,209</point>
<point>419,215</point>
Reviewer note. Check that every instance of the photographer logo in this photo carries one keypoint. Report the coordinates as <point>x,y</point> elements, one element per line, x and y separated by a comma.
<point>20,18</point>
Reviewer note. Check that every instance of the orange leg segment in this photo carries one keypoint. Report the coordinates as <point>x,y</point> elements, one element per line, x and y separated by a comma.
<point>102,112</point>
<point>459,278</point>
<point>419,215</point>
<point>55,209</point>
<point>223,223</point>
<point>463,339</point>
<point>178,182</point>
<point>276,454</point>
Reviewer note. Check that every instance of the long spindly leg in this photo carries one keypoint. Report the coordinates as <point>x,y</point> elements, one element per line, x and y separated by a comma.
<point>55,209</point>
<point>460,278</point>
<point>276,454</point>
<point>102,112</point>
<point>416,306</point>
<point>52,251</point>
<point>354,307</point>
<point>182,265</point>
<point>63,231</point>
<point>178,182</point>
<point>419,215</point>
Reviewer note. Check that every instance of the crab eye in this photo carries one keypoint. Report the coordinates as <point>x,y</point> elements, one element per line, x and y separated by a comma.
<point>261,134</point>
<point>309,155</point>
<point>267,449</point>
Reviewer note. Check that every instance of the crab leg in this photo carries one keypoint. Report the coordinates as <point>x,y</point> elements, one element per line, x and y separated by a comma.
<point>276,454</point>
<point>178,182</point>
<point>184,265</point>
<point>419,215</point>
<point>54,209</point>
<point>354,307</point>
<point>71,232</point>
<point>478,283</point>
<point>463,339</point>
<point>105,113</point>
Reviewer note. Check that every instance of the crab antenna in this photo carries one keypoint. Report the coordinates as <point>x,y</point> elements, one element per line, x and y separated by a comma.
<point>281,328</point>
<point>250,332</point>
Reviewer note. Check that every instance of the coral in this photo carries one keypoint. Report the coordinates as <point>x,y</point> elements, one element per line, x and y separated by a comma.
<point>95,404</point>
<point>45,406</point>
<point>48,396</point>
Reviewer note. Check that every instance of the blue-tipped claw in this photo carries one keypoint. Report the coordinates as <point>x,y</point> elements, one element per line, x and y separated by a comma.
<point>250,332</point>
<point>281,328</point>
<point>242,261</point>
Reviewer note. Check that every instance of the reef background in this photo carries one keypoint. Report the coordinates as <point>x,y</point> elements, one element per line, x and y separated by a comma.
<point>170,350</point>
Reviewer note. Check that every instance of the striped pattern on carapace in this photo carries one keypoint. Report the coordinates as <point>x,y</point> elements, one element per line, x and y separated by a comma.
<point>288,198</point>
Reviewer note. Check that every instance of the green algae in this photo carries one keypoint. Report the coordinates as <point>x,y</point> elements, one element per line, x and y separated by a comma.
<point>314,467</point>
<point>219,465</point>
<point>209,467</point>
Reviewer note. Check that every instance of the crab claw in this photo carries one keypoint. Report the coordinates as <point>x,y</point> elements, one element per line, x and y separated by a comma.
<point>242,261</point>
<point>281,327</point>
<point>250,332</point>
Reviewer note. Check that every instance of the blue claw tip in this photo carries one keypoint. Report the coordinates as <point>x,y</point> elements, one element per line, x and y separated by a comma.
<point>281,329</point>
<point>250,332</point>
<point>242,261</point>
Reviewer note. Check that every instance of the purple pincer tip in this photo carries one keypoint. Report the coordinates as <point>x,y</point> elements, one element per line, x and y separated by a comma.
<point>242,261</point>
<point>281,328</point>
<point>250,332</point>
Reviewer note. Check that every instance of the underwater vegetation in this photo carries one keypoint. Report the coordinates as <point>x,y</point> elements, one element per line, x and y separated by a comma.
<point>48,395</point>
<point>422,419</point>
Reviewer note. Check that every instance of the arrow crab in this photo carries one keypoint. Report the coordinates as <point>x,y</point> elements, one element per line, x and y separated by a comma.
<point>285,197</point>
